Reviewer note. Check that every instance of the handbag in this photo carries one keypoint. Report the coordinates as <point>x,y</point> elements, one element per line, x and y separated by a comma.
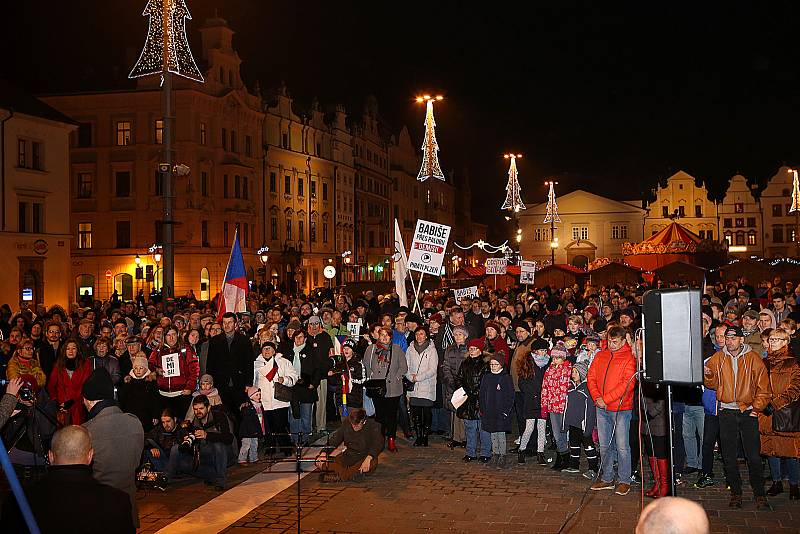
<point>787,419</point>
<point>408,385</point>
<point>375,388</point>
<point>283,392</point>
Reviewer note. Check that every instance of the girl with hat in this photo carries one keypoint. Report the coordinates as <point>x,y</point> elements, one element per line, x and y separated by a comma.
<point>530,372</point>
<point>496,401</point>
<point>554,398</point>
<point>580,418</point>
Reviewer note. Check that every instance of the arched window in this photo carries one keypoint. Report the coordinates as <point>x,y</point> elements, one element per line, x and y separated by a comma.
<point>205,282</point>
<point>740,238</point>
<point>84,285</point>
<point>123,284</point>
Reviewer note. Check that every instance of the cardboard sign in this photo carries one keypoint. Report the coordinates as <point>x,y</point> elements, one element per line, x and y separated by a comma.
<point>170,365</point>
<point>353,328</point>
<point>496,266</point>
<point>428,247</point>
<point>471,292</point>
<point>527,272</point>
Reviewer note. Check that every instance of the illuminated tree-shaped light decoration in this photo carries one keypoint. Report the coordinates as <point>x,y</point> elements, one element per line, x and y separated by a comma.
<point>552,207</point>
<point>513,200</point>
<point>166,48</point>
<point>430,148</point>
<point>795,194</point>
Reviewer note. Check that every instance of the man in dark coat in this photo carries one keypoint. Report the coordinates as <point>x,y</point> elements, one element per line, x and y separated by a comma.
<point>48,351</point>
<point>230,362</point>
<point>117,437</point>
<point>68,498</point>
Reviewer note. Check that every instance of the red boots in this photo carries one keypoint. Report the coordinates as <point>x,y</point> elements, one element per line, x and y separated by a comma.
<point>660,469</point>
<point>391,446</point>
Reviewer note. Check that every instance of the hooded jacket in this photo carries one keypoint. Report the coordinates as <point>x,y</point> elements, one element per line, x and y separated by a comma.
<point>610,377</point>
<point>751,386</point>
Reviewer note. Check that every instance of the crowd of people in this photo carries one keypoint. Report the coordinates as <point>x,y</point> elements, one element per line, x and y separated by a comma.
<point>193,394</point>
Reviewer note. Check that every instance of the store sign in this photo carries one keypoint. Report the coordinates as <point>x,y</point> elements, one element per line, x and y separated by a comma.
<point>40,247</point>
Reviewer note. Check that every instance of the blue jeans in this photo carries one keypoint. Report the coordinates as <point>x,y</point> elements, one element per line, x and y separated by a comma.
<point>693,422</point>
<point>472,428</point>
<point>302,425</point>
<point>213,463</point>
<point>792,470</point>
<point>160,463</point>
<point>441,420</point>
<point>556,422</point>
<point>619,449</point>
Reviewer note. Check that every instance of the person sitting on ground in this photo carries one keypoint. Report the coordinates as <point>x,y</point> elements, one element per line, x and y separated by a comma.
<point>673,515</point>
<point>358,443</point>
<point>69,486</point>
<point>159,441</point>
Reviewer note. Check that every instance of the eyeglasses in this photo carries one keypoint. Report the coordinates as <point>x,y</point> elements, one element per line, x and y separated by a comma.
<point>776,339</point>
<point>26,348</point>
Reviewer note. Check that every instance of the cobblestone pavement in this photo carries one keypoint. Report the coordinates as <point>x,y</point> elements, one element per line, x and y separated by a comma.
<point>432,490</point>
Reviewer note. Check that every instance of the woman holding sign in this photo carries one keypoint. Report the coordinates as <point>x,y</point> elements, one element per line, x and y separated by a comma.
<point>177,370</point>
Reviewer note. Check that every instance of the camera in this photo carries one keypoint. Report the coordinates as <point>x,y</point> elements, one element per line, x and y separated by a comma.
<point>26,391</point>
<point>187,445</point>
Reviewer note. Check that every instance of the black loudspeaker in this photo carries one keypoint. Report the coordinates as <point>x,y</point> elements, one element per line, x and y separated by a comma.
<point>672,336</point>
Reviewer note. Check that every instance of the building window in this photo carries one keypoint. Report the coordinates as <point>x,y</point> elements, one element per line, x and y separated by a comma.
<point>85,183</point>
<point>159,183</point>
<point>237,187</point>
<point>85,135</point>
<point>299,186</point>
<point>273,227</point>
<point>319,149</point>
<point>160,131</point>
<point>273,183</point>
<point>22,151</point>
<point>738,207</point>
<point>225,233</point>
<point>709,234</point>
<point>751,239</point>
<point>313,189</point>
<point>619,231</point>
<point>124,133</point>
<point>224,139</point>
<point>790,234</point>
<point>122,181</point>
<point>301,230</point>
<point>22,214</point>
<point>727,223</point>
<point>312,232</point>
<point>246,235</point>
<point>158,232</point>
<point>245,188</point>
<point>776,210</point>
<point>681,211</point>
<point>233,141</point>
<point>665,211</point>
<point>224,186</point>
<point>324,232</point>
<point>85,235</point>
<point>288,229</point>
<point>580,233</point>
<point>324,191</point>
<point>287,185</point>
<point>371,238</point>
<point>36,156</point>
<point>204,183</point>
<point>729,238</point>
<point>285,141</point>
<point>740,238</point>
<point>123,234</point>
<point>698,210</point>
<point>248,145</point>
<point>751,222</point>
<point>777,232</point>
<point>204,234</point>
<point>203,134</point>
<point>739,222</point>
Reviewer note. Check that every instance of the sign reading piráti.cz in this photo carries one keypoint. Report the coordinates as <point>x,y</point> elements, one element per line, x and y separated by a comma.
<point>428,247</point>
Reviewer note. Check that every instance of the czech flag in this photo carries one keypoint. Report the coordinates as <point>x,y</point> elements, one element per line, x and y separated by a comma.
<point>233,297</point>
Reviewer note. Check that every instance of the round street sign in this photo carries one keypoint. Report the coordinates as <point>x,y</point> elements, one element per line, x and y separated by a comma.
<point>329,272</point>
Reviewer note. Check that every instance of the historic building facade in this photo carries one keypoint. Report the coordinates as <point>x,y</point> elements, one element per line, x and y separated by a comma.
<point>740,214</point>
<point>35,234</point>
<point>780,226</point>
<point>682,200</point>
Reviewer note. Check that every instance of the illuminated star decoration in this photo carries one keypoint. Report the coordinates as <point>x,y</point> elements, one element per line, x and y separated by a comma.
<point>430,148</point>
<point>166,48</point>
<point>552,207</point>
<point>795,194</point>
<point>513,199</point>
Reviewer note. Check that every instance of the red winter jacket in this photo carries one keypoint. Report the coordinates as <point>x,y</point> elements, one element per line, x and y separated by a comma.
<point>188,369</point>
<point>610,377</point>
<point>555,386</point>
<point>498,344</point>
<point>62,388</point>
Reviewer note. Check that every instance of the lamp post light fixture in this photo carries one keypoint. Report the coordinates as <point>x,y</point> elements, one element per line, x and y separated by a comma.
<point>137,260</point>
<point>156,251</point>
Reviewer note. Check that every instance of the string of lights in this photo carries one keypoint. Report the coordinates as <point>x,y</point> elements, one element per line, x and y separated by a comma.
<point>513,200</point>
<point>430,148</point>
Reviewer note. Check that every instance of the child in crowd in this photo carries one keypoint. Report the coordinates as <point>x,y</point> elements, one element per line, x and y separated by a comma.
<point>590,347</point>
<point>580,418</point>
<point>252,428</point>
<point>554,398</point>
<point>496,402</point>
<point>531,375</point>
<point>206,388</point>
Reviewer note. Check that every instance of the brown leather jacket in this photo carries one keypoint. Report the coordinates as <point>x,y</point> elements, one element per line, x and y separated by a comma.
<point>752,380</point>
<point>784,377</point>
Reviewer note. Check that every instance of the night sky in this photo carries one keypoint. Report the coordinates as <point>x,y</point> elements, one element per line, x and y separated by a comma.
<point>609,99</point>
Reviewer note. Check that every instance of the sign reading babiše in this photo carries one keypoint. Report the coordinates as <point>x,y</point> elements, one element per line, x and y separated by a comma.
<point>428,247</point>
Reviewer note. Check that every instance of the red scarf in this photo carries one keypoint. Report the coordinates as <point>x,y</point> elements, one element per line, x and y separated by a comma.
<point>271,374</point>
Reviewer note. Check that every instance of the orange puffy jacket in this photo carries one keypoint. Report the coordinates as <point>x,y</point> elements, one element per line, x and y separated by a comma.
<point>610,377</point>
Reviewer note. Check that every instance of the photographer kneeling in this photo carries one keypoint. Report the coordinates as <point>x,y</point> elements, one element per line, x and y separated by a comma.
<point>358,443</point>
<point>202,448</point>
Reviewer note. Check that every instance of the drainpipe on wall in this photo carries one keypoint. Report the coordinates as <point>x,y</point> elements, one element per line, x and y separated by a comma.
<point>3,169</point>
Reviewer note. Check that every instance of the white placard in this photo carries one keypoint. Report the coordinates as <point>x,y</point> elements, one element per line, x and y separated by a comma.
<point>353,328</point>
<point>459,397</point>
<point>471,292</point>
<point>170,365</point>
<point>496,266</point>
<point>527,272</point>
<point>428,247</point>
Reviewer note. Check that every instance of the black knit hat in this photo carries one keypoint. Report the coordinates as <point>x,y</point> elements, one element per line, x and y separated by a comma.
<point>98,386</point>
